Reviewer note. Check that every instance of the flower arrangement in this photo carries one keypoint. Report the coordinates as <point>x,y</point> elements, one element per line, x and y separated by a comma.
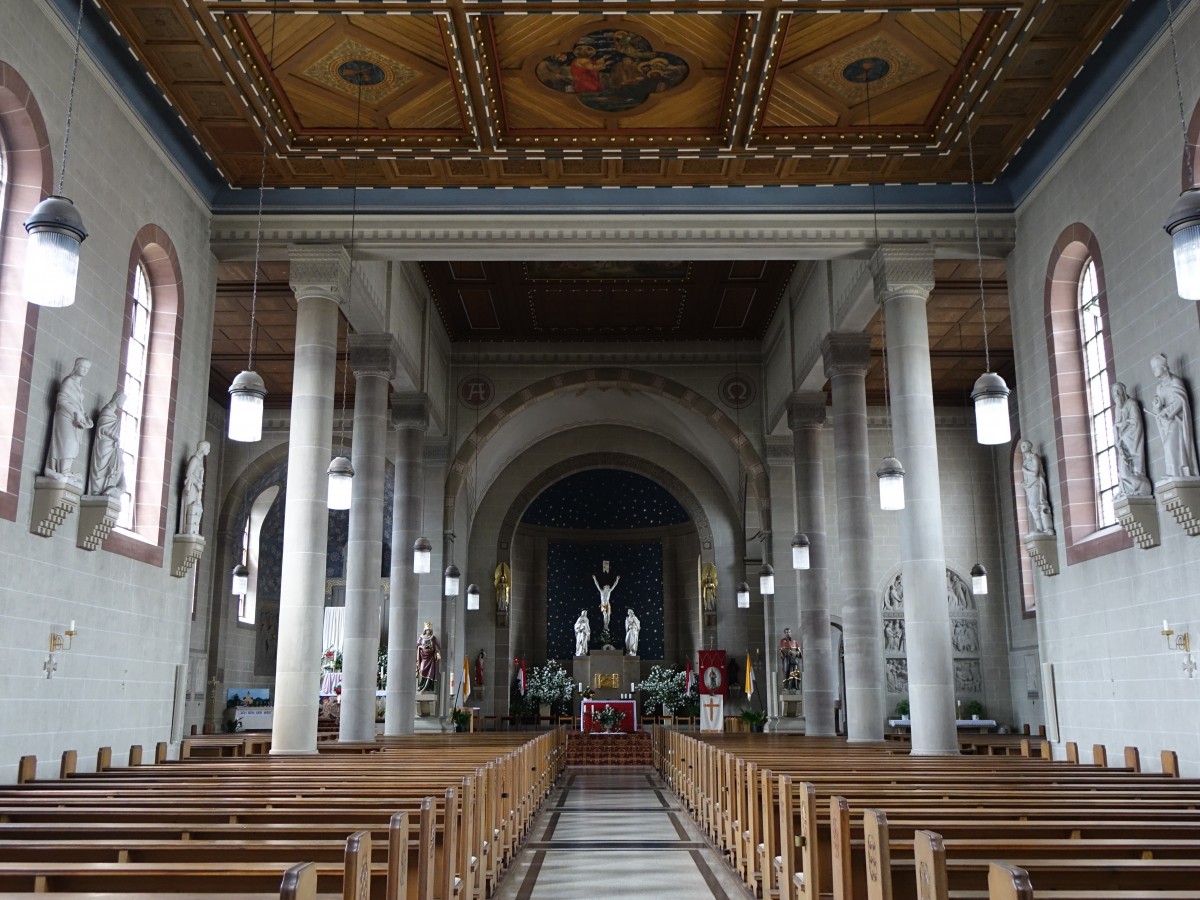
<point>331,660</point>
<point>666,688</point>
<point>608,718</point>
<point>550,685</point>
<point>381,670</point>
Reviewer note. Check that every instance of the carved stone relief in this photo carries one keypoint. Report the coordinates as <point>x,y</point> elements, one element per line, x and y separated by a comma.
<point>897,676</point>
<point>967,676</point>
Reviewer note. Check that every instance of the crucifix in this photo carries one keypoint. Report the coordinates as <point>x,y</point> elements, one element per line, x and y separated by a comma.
<point>711,705</point>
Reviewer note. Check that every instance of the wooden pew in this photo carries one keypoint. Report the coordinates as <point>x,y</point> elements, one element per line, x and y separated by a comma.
<point>298,883</point>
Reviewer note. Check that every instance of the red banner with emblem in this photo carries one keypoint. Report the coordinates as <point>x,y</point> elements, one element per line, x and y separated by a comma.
<point>712,672</point>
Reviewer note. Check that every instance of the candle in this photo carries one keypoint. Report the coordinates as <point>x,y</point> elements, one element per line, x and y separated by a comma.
<point>632,687</point>
<point>73,625</point>
<point>1166,626</point>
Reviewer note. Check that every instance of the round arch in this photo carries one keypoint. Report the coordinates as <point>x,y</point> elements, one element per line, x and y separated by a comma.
<point>605,378</point>
<point>583,462</point>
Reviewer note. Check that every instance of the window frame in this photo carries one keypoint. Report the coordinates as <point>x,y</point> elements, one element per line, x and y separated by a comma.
<point>153,248</point>
<point>137,334</point>
<point>1097,375</point>
<point>1076,514</point>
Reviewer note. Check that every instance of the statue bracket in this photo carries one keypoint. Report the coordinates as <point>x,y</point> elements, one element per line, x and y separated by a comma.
<point>1139,517</point>
<point>1181,498</point>
<point>1043,550</point>
<point>53,501</point>
<point>186,551</point>
<point>97,516</point>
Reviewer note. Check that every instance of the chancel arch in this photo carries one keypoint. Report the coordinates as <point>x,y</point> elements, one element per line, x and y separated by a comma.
<point>632,382</point>
<point>712,532</point>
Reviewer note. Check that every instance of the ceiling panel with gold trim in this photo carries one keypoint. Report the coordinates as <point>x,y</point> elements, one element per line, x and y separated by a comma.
<point>695,92</point>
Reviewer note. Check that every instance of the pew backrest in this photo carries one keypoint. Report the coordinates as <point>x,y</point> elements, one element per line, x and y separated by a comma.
<point>878,853</point>
<point>1006,882</point>
<point>930,857</point>
<point>299,883</point>
<point>356,882</point>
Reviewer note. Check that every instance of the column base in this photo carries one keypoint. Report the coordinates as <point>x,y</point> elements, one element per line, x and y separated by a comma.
<point>53,501</point>
<point>1139,517</point>
<point>1043,550</point>
<point>97,516</point>
<point>1181,498</point>
<point>429,725</point>
<point>186,550</point>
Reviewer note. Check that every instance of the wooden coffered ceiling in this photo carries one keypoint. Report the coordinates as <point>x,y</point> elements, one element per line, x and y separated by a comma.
<point>633,92</point>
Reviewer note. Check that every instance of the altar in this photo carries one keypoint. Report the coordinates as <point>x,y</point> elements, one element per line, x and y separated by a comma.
<point>588,708</point>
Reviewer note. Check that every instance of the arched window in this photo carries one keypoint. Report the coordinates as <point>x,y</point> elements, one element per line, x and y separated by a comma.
<point>1099,398</point>
<point>1081,360</point>
<point>137,356</point>
<point>149,376</point>
<point>26,178</point>
<point>1021,513</point>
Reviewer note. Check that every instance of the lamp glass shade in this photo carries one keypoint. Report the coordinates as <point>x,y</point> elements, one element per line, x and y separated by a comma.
<point>766,581</point>
<point>473,597</point>
<point>246,395</point>
<point>1183,224</point>
<point>55,231</point>
<point>800,552</point>
<point>743,596</point>
<point>341,483</point>
<point>452,577</point>
<point>891,483</point>
<point>991,410</point>
<point>241,580</point>
<point>978,579</point>
<point>422,556</point>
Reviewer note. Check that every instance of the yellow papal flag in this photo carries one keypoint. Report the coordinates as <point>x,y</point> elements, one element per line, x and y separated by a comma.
<point>749,676</point>
<point>466,682</point>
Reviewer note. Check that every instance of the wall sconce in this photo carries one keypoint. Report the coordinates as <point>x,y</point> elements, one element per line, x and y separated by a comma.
<point>58,642</point>
<point>1182,642</point>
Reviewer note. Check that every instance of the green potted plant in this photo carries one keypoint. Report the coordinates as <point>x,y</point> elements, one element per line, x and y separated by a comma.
<point>902,709</point>
<point>462,719</point>
<point>973,709</point>
<point>754,718</point>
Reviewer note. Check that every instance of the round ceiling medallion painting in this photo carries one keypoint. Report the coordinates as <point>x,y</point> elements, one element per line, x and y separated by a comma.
<point>869,68</point>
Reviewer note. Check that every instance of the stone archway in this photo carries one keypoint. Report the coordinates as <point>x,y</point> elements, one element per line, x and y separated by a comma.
<point>603,379</point>
<point>587,461</point>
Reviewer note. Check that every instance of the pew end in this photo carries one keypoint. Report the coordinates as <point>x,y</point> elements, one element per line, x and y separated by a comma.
<point>1006,882</point>
<point>930,855</point>
<point>299,883</point>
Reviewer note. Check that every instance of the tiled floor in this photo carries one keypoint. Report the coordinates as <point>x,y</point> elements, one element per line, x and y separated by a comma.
<point>617,832</point>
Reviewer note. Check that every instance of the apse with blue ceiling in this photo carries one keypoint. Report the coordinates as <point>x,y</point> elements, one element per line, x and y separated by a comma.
<point>612,501</point>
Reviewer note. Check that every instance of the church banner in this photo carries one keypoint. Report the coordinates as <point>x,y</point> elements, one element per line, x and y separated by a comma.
<point>712,713</point>
<point>712,672</point>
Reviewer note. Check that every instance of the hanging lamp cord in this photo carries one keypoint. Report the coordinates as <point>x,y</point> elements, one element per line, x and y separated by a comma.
<point>262,190</point>
<point>987,355</point>
<point>62,169</point>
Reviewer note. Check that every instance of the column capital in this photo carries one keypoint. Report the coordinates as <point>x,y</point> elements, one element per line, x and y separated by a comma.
<point>806,409</point>
<point>846,353</point>
<point>902,269</point>
<point>320,270</point>
<point>373,354</point>
<point>410,409</point>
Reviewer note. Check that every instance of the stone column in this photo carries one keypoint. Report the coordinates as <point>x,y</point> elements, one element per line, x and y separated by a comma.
<point>410,417</point>
<point>847,359</point>
<point>806,416</point>
<point>320,277</point>
<point>903,276</point>
<point>373,361</point>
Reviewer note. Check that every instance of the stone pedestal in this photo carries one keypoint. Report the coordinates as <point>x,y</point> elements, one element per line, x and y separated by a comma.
<point>609,673</point>
<point>1043,550</point>
<point>186,551</point>
<point>426,704</point>
<point>1181,498</point>
<point>1139,517</point>
<point>97,516</point>
<point>53,501</point>
<point>791,704</point>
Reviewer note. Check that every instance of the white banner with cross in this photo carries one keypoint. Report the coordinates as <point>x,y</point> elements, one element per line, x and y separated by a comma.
<point>712,713</point>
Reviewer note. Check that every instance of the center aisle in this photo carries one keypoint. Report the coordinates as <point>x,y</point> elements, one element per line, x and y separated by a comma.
<point>617,832</point>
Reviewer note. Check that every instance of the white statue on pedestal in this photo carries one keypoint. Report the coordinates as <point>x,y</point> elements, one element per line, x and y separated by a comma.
<point>191,507</point>
<point>1174,415</point>
<point>1037,493</point>
<point>1131,443</point>
<point>71,423</point>
<point>106,472</point>
<point>633,628</point>
<point>583,633</point>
